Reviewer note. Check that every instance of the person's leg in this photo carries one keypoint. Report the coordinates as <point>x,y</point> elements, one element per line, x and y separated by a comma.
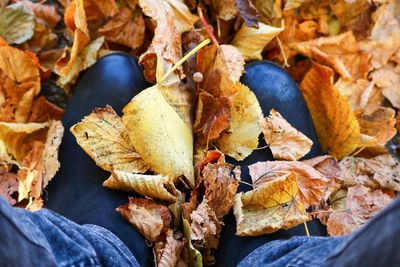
<point>76,192</point>
<point>274,88</point>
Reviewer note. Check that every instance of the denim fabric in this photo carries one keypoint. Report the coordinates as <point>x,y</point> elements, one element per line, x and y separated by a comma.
<point>375,244</point>
<point>45,238</point>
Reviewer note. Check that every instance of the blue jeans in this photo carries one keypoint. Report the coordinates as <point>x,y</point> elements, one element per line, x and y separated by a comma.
<point>45,238</point>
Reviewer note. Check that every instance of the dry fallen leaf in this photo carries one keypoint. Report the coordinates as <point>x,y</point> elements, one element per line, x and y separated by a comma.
<point>170,254</point>
<point>151,121</point>
<point>234,61</point>
<point>251,41</point>
<point>269,207</point>
<point>360,204</point>
<point>241,138</point>
<point>225,9</point>
<point>382,171</point>
<point>105,138</point>
<point>248,12</point>
<point>152,186</point>
<point>17,25</point>
<point>336,125</point>
<point>285,142</point>
<point>149,218</point>
<point>311,183</point>
<point>8,186</point>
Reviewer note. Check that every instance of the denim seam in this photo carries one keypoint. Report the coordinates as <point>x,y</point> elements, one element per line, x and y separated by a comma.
<point>93,261</point>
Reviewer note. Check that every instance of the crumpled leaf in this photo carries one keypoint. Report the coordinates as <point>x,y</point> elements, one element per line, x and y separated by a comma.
<point>8,186</point>
<point>221,182</point>
<point>360,204</point>
<point>17,25</point>
<point>184,20</point>
<point>269,207</point>
<point>153,186</point>
<point>216,94</point>
<point>234,61</point>
<point>44,14</point>
<point>241,138</point>
<point>125,28</point>
<point>311,183</point>
<point>336,125</point>
<point>285,142</point>
<point>380,125</point>
<point>149,218</point>
<point>195,257</point>
<point>251,41</point>
<point>248,12</point>
<point>327,165</point>
<point>388,78</point>
<point>225,9</point>
<point>105,139</point>
<point>43,110</point>
<point>170,254</point>
<point>382,171</point>
<point>151,121</point>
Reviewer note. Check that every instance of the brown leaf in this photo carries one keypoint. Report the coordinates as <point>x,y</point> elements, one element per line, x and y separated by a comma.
<point>225,9</point>
<point>380,171</point>
<point>336,125</point>
<point>340,52</point>
<point>125,29</point>
<point>248,12</point>
<point>8,186</point>
<point>360,204</point>
<point>285,142</point>
<point>105,138</point>
<point>326,165</point>
<point>149,218</point>
<point>43,110</point>
<point>311,183</point>
<point>45,14</point>
<point>172,251</point>
<point>234,61</point>
<point>269,207</point>
<point>221,181</point>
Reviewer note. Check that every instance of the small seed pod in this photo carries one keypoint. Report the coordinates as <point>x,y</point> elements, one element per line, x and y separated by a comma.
<point>197,77</point>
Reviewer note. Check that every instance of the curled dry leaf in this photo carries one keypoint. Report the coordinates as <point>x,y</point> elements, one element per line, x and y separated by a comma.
<point>105,138</point>
<point>151,121</point>
<point>152,186</point>
<point>234,61</point>
<point>248,12</point>
<point>225,9</point>
<point>360,204</point>
<point>8,186</point>
<point>241,138</point>
<point>251,41</point>
<point>125,28</point>
<point>149,218</point>
<point>44,14</point>
<point>285,142</point>
<point>184,20</point>
<point>336,125</point>
<point>269,207</point>
<point>311,183</point>
<point>170,254</point>
<point>43,110</point>
<point>195,257</point>
<point>17,25</point>
<point>340,52</point>
<point>221,181</point>
<point>382,171</point>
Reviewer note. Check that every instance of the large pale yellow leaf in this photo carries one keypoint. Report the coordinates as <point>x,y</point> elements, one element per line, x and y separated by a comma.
<point>17,25</point>
<point>251,41</point>
<point>336,125</point>
<point>153,186</point>
<point>159,134</point>
<point>184,20</point>
<point>285,142</point>
<point>269,207</point>
<point>241,138</point>
<point>105,138</point>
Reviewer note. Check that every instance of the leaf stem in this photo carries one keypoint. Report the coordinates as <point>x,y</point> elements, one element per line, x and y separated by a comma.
<point>306,228</point>
<point>182,60</point>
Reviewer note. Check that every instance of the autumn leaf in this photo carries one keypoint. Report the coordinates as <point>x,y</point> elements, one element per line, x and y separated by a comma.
<point>234,61</point>
<point>269,207</point>
<point>105,138</point>
<point>152,186</point>
<point>151,121</point>
<point>17,25</point>
<point>170,254</point>
<point>336,125</point>
<point>311,183</point>
<point>44,14</point>
<point>184,20</point>
<point>125,28</point>
<point>292,4</point>
<point>43,110</point>
<point>285,142</point>
<point>357,207</point>
<point>241,138</point>
<point>8,186</point>
<point>195,257</point>
<point>248,12</point>
<point>225,9</point>
<point>382,171</point>
<point>149,218</point>
<point>251,41</point>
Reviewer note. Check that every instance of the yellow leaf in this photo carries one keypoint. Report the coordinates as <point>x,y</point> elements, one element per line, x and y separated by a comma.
<point>336,125</point>
<point>241,138</point>
<point>269,207</point>
<point>285,142</point>
<point>17,25</point>
<point>251,41</point>
<point>153,186</point>
<point>105,139</point>
<point>184,20</point>
<point>159,134</point>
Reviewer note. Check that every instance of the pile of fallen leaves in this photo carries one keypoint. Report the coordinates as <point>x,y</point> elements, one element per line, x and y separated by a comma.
<point>170,144</point>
